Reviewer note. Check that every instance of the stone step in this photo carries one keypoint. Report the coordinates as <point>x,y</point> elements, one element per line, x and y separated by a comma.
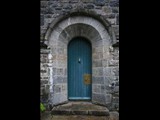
<point>80,108</point>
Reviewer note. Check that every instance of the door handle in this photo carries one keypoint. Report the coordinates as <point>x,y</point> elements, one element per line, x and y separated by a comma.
<point>79,60</point>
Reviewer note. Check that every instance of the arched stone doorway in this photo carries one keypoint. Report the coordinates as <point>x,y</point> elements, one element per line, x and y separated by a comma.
<point>59,35</point>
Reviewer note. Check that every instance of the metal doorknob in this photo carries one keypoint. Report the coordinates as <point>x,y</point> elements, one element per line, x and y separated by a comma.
<point>79,60</point>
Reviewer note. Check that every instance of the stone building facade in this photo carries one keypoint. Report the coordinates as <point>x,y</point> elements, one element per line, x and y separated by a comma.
<point>98,22</point>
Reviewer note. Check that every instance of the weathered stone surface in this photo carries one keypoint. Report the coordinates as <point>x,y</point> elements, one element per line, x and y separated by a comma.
<point>98,71</point>
<point>110,16</point>
<point>114,115</point>
<point>107,71</point>
<point>57,88</point>
<point>60,79</point>
<point>97,63</point>
<point>97,80</point>
<point>117,18</point>
<point>100,2</point>
<point>98,113</point>
<point>44,11</point>
<point>67,6</point>
<point>58,8</point>
<point>44,82</point>
<point>116,29</point>
<point>114,106</point>
<point>99,98</point>
<point>106,9</point>
<point>113,62</point>
<point>42,20</point>
<point>86,1</point>
<point>60,71</point>
<point>80,108</point>
<point>116,89</point>
<point>89,6</point>
<point>115,100</point>
<point>44,4</point>
<point>115,71</point>
<point>96,88</point>
<point>115,10</point>
<point>64,87</point>
<point>114,3</point>
<point>108,98</point>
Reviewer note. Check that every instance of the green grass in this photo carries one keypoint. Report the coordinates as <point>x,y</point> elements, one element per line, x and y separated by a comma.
<point>42,107</point>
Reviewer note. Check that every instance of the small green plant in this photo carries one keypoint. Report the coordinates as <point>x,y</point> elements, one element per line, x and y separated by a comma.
<point>42,107</point>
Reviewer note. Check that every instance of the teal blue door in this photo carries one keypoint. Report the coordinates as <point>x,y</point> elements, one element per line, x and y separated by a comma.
<point>79,69</point>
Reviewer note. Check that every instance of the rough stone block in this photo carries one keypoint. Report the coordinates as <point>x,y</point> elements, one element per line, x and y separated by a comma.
<point>115,9</point>
<point>67,6</point>
<point>107,71</point>
<point>99,98</point>
<point>89,6</point>
<point>57,89</point>
<point>55,99</point>
<point>44,11</point>
<point>105,63</point>
<point>114,106</point>
<point>61,63</point>
<point>54,71</point>
<point>98,71</point>
<point>112,21</point>
<point>110,16</point>
<point>108,98</point>
<point>114,3</point>
<point>103,90</point>
<point>115,71</point>
<point>97,80</point>
<point>60,71</point>
<point>100,2</point>
<point>42,20</point>
<point>87,1</point>
<point>63,98</point>
<point>116,29</point>
<point>114,115</point>
<point>106,9</point>
<point>97,56</point>
<point>117,19</point>
<point>99,113</point>
<point>44,4</point>
<point>44,82</point>
<point>60,50</point>
<point>115,100</point>
<point>110,79</point>
<point>116,89</point>
<point>60,79</point>
<point>64,87</point>
<point>96,88</point>
<point>58,8</point>
<point>97,63</point>
<point>113,62</point>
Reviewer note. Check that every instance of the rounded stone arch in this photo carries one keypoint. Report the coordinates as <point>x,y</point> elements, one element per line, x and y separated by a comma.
<point>106,24</point>
<point>79,24</point>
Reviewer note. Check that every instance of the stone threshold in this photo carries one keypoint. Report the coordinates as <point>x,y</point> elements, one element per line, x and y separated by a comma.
<point>80,108</point>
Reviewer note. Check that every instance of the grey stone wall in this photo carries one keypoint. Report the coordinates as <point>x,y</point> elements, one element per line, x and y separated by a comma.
<point>44,61</point>
<point>105,88</point>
